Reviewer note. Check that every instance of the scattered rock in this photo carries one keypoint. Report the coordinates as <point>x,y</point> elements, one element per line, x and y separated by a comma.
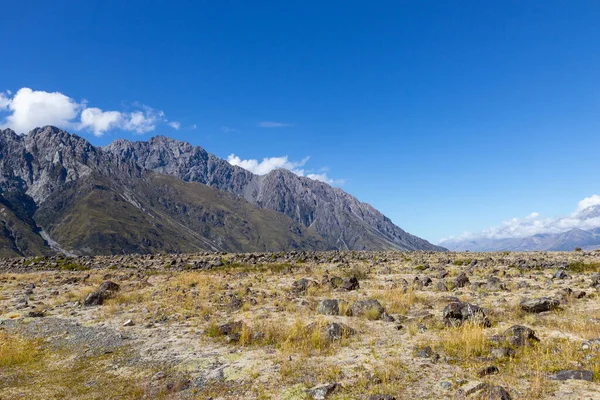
<point>539,305</point>
<point>471,387</point>
<point>332,331</point>
<point>382,397</point>
<point>231,328</point>
<point>235,303</point>
<point>494,284</point>
<point>322,391</point>
<point>454,314</point>
<point>502,352</point>
<point>329,307</point>
<point>593,344</point>
<point>441,286</point>
<point>560,274</point>
<point>370,308</point>
<point>424,352</point>
<point>495,392</point>
<point>519,335</point>
<point>106,290</point>
<point>490,370</point>
<point>426,281</point>
<point>350,284</point>
<point>337,331</point>
<point>446,385</point>
<point>461,280</point>
<point>302,285</point>
<point>563,375</point>
<point>417,284</point>
<point>36,314</point>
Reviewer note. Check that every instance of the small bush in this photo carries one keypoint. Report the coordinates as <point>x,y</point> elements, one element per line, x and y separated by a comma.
<point>67,265</point>
<point>581,267</point>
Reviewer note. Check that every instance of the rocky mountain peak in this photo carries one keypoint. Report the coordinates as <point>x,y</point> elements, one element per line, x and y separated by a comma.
<point>54,169</point>
<point>340,218</point>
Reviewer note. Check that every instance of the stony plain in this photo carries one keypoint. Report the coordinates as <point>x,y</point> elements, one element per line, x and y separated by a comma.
<point>301,325</point>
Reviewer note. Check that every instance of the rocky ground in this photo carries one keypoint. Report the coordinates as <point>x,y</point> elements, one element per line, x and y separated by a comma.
<point>338,325</point>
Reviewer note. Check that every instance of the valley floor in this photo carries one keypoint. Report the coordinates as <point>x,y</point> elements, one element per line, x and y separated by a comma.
<point>421,325</point>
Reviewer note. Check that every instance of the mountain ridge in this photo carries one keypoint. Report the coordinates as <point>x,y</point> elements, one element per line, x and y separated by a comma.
<point>563,241</point>
<point>306,201</point>
<point>581,229</point>
<point>56,183</point>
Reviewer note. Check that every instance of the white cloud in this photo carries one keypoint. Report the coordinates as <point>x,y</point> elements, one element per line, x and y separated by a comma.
<point>271,163</point>
<point>273,124</point>
<point>194,126</point>
<point>142,121</point>
<point>29,109</point>
<point>175,125</point>
<point>324,178</point>
<point>268,164</point>
<point>588,202</point>
<point>586,216</point>
<point>100,121</point>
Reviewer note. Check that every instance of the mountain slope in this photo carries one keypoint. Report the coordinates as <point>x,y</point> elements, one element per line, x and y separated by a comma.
<point>17,237</point>
<point>339,218</point>
<point>160,213</point>
<point>60,193</point>
<point>91,203</point>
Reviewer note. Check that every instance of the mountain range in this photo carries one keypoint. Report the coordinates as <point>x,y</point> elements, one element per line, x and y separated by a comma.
<point>59,193</point>
<point>564,241</point>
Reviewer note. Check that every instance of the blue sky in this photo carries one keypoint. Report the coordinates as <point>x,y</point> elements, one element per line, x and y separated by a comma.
<point>447,116</point>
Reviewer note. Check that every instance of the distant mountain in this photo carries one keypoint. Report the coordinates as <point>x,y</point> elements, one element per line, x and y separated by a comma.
<point>60,193</point>
<point>565,241</point>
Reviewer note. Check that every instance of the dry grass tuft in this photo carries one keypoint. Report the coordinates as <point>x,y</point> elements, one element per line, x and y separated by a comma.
<point>464,342</point>
<point>29,370</point>
<point>399,300</point>
<point>16,351</point>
